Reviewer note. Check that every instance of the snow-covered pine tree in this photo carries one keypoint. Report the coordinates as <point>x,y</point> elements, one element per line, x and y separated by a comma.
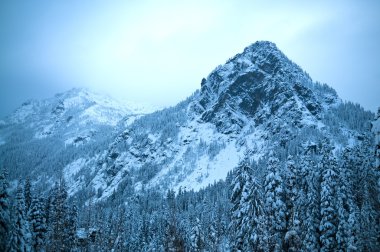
<point>20,240</point>
<point>347,231</point>
<point>57,217</point>
<point>37,222</point>
<point>143,230</point>
<point>247,209</point>
<point>102,225</point>
<point>212,237</point>
<point>353,232</point>
<point>329,177</point>
<point>172,240</point>
<point>369,235</point>
<point>274,206</point>
<point>376,131</point>
<point>292,237</point>
<point>118,243</point>
<point>5,222</point>
<point>197,237</point>
<point>27,194</point>
<point>368,221</point>
<point>237,185</point>
<point>71,227</point>
<point>312,205</point>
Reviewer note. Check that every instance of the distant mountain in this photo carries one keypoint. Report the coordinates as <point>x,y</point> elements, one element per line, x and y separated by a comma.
<point>256,102</point>
<point>42,134</point>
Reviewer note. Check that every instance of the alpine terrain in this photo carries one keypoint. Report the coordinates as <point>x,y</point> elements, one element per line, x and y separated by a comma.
<point>260,158</point>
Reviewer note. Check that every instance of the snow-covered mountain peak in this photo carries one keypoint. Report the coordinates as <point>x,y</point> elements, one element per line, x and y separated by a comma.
<point>262,54</point>
<point>81,95</point>
<point>257,84</point>
<point>262,57</point>
<point>81,103</point>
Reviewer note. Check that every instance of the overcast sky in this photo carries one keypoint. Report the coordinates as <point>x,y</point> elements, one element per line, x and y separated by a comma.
<point>158,51</point>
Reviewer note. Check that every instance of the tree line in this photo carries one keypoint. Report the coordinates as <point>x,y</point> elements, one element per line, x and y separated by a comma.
<point>322,199</point>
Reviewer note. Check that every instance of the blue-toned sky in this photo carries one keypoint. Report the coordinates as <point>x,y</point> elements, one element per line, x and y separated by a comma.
<point>158,51</point>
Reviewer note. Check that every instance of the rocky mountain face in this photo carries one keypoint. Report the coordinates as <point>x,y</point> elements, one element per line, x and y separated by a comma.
<point>256,102</point>
<point>257,84</point>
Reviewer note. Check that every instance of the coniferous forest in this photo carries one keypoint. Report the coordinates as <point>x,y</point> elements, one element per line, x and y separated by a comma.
<point>321,199</point>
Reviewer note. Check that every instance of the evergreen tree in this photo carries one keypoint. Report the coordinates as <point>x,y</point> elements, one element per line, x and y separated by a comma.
<point>347,211</point>
<point>329,176</point>
<point>21,234</point>
<point>274,206</point>
<point>247,209</point>
<point>71,228</point>
<point>367,196</point>
<point>37,224</point>
<point>368,232</point>
<point>5,222</point>
<point>354,229</point>
<point>312,220</point>
<point>197,237</point>
<point>213,237</point>
<point>240,205</point>
<point>376,131</point>
<point>27,194</point>
<point>173,240</point>
<point>58,216</point>
<point>292,236</point>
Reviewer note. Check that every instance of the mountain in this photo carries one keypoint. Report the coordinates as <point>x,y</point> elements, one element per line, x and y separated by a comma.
<point>260,158</point>
<point>42,134</point>
<point>256,102</point>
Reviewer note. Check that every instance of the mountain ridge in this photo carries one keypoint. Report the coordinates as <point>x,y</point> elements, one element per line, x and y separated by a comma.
<point>257,100</point>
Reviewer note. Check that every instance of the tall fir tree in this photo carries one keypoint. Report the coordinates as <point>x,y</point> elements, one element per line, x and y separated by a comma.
<point>212,237</point>
<point>197,237</point>
<point>71,227</point>
<point>5,221</point>
<point>347,229</point>
<point>312,205</point>
<point>247,209</point>
<point>376,130</point>
<point>57,217</point>
<point>20,240</point>
<point>328,207</point>
<point>367,195</point>
<point>274,205</point>
<point>292,237</point>
<point>172,240</point>
<point>27,194</point>
<point>37,222</point>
